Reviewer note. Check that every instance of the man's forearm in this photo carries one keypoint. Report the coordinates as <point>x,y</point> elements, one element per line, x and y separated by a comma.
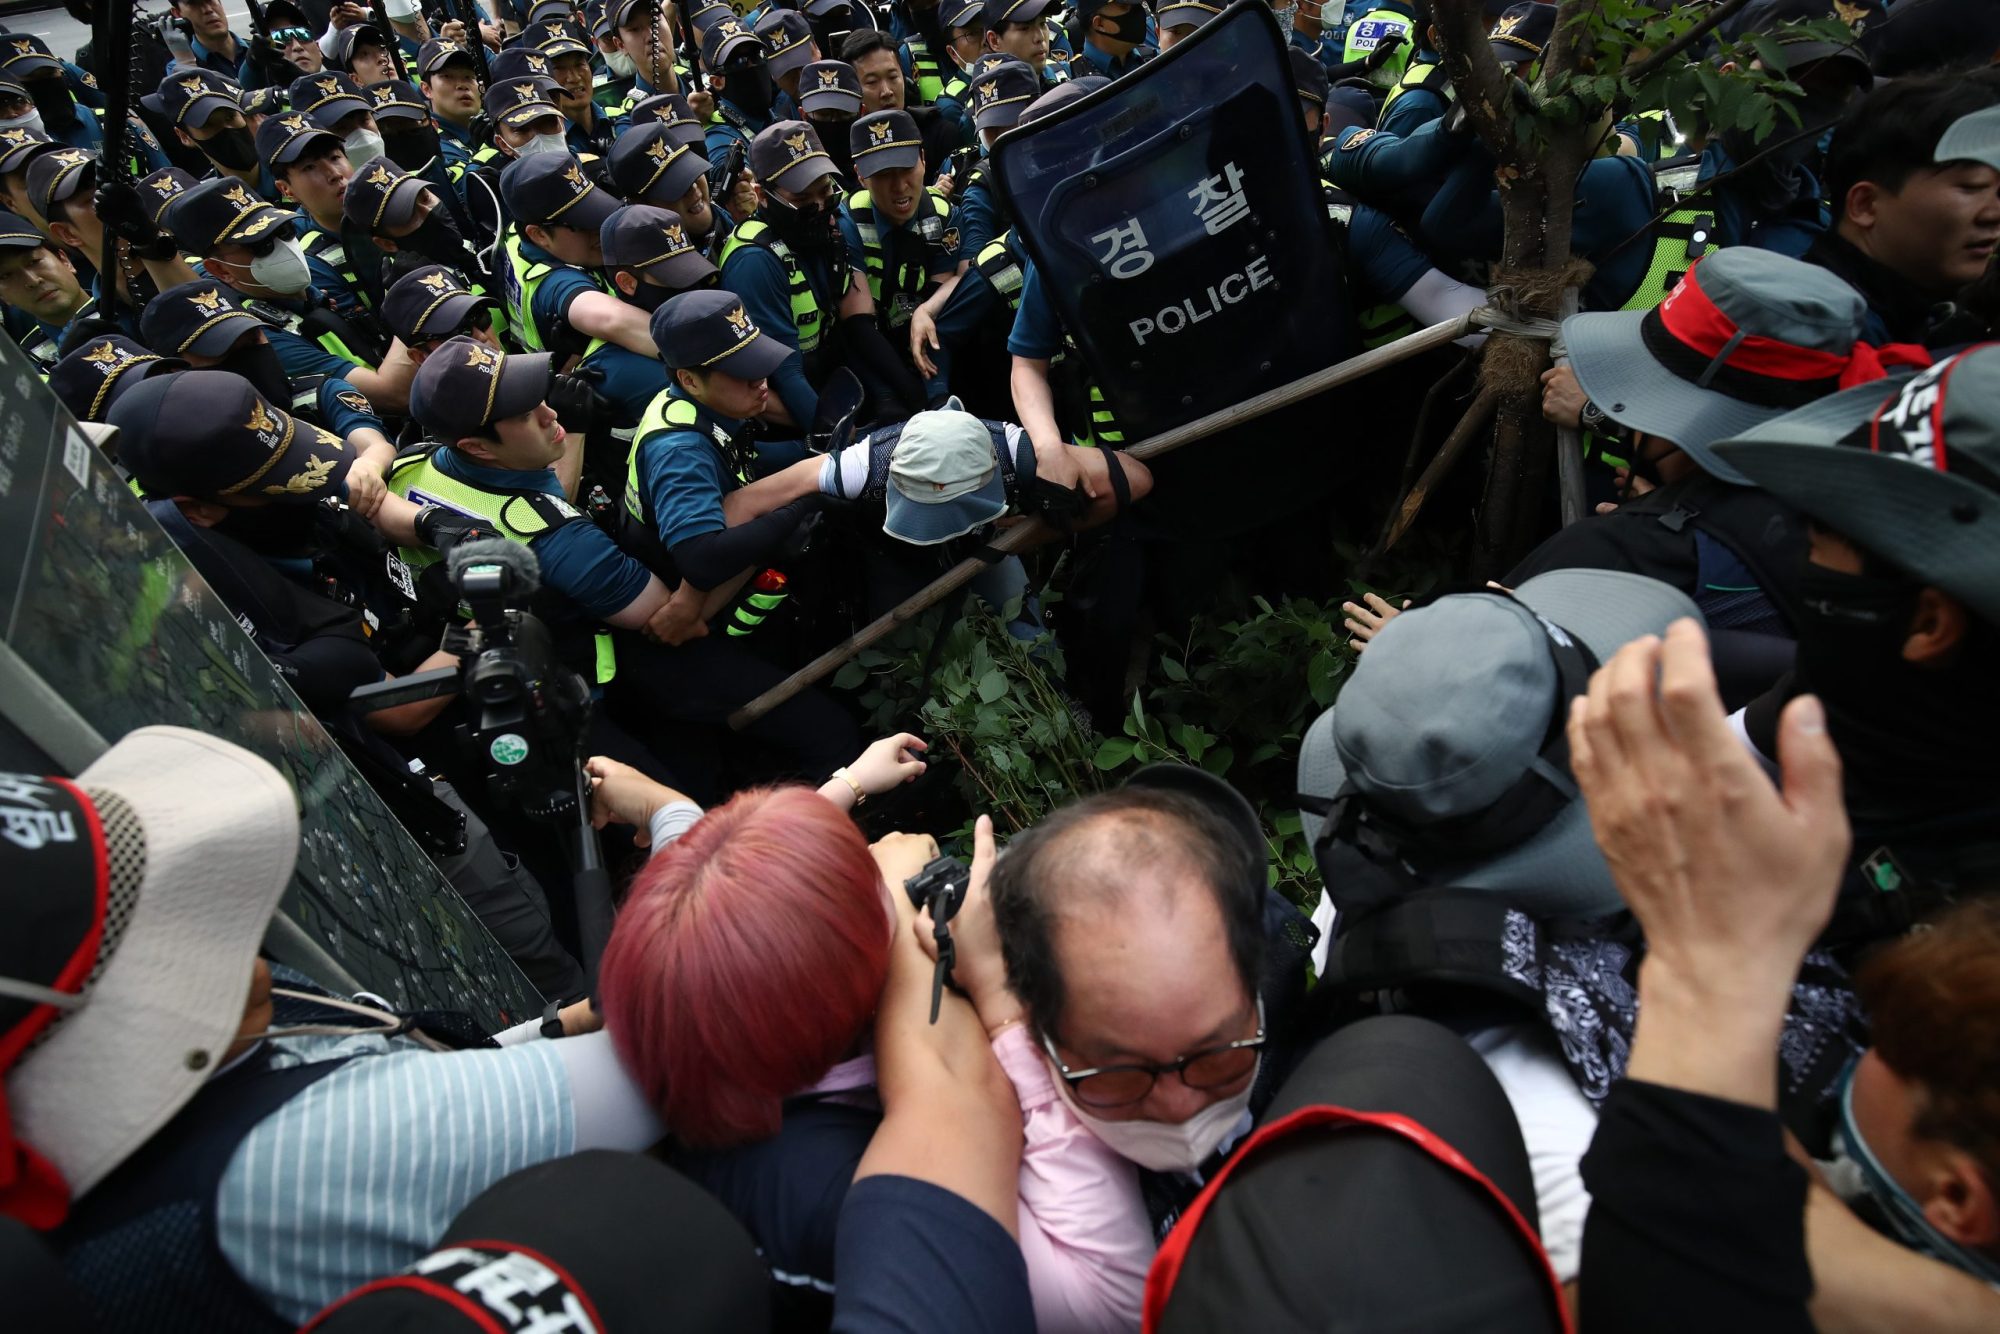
<point>597,315</point>
<point>765,494</point>
<point>1864,1283</point>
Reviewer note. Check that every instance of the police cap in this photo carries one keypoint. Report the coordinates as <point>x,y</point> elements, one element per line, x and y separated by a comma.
<point>552,189</point>
<point>653,241</point>
<point>381,197</point>
<point>430,303</point>
<point>788,156</point>
<point>90,378</point>
<point>648,166</point>
<point>327,97</point>
<point>201,317</point>
<point>223,211</point>
<point>188,97</point>
<point>830,85</point>
<point>210,435</point>
<point>466,385</point>
<point>711,331</point>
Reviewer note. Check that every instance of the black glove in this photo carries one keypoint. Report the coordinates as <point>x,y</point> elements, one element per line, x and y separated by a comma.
<point>339,528</point>
<point>1059,506</point>
<point>578,405</point>
<point>124,215</point>
<point>1384,49</point>
<point>442,529</point>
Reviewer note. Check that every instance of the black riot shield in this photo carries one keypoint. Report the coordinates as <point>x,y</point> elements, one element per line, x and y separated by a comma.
<point>1176,221</point>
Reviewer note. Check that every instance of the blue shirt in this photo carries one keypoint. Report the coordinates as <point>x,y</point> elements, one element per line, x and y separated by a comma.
<point>904,1246</point>
<point>979,215</point>
<point>342,407</point>
<point>1101,62</point>
<point>579,560</point>
<point>1382,262</point>
<point>721,136</point>
<point>455,143</point>
<point>237,71</point>
<point>566,282</point>
<point>361,256</point>
<point>629,381</point>
<point>1038,331</point>
<point>684,475</point>
<point>1387,170</point>
<point>758,277</point>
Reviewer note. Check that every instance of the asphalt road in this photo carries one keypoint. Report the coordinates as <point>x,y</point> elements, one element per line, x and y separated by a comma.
<point>64,34</point>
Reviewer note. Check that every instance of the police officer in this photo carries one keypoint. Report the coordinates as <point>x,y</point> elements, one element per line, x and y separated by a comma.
<point>312,172</point>
<point>27,65</point>
<point>411,139</point>
<point>90,379</point>
<point>496,445</point>
<point>1114,38</point>
<point>39,291</point>
<point>591,128</point>
<point>740,77</point>
<point>390,212</point>
<point>936,59</point>
<point>646,36</point>
<point>335,103</point>
<point>20,145</point>
<point>788,48</point>
<point>525,123</point>
<point>1177,20</point>
<point>557,297</point>
<point>648,167</point>
<point>203,324</point>
<point>1379,42</point>
<point>1019,28</point>
<point>689,456</point>
<point>62,188</point>
<point>830,99</point>
<point>671,110</point>
<point>997,97</point>
<point>207,116</point>
<point>450,79</point>
<point>789,264</point>
<point>650,257</point>
<point>905,239</point>
<point>429,306</point>
<point>245,244</point>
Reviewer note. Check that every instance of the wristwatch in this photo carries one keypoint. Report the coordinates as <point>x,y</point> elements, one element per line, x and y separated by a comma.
<point>853,782</point>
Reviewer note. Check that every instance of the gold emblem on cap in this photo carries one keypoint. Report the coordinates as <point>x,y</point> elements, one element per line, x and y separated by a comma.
<point>524,91</point>
<point>553,29</point>
<point>798,144</point>
<point>24,48</point>
<point>739,322</point>
<point>238,196</point>
<point>384,96</point>
<point>538,65</point>
<point>1507,24</point>
<point>1850,14</point>
<point>676,238</point>
<point>296,124</point>
<point>482,359</point>
<point>194,86</point>
<point>439,283</point>
<point>263,221</point>
<point>829,78</point>
<point>208,303</point>
<point>330,87</point>
<point>449,48</point>
<point>166,187</point>
<point>260,421</point>
<point>105,355</point>
<point>573,173</point>
<point>880,131</point>
<point>16,137</point>
<point>659,152</point>
<point>379,175</point>
<point>70,157</point>
<point>307,480</point>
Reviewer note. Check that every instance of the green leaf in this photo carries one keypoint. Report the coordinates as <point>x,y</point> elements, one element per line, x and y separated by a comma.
<point>1321,674</point>
<point>1172,670</point>
<point>1219,760</point>
<point>992,686</point>
<point>1287,823</point>
<point>1114,752</point>
<point>1268,750</point>
<point>850,675</point>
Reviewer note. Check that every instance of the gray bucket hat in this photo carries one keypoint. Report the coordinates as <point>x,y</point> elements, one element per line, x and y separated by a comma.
<point>1747,336</point>
<point>1908,470</point>
<point>1452,708</point>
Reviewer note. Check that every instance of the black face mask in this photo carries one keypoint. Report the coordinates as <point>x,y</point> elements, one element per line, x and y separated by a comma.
<point>275,530</point>
<point>749,89</point>
<point>437,238</point>
<point>233,149</point>
<point>1911,737</point>
<point>650,296</point>
<point>833,135</point>
<point>258,363</point>
<point>810,231</point>
<point>1129,26</point>
<point>412,150</point>
<point>53,100</point>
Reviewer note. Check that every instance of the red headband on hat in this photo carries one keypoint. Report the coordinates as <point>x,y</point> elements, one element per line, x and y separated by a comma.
<point>1693,320</point>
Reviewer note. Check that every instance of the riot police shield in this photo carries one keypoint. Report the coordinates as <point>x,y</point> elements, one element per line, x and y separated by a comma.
<point>1175,219</point>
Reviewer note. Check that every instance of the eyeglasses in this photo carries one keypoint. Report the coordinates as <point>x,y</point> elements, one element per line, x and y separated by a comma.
<point>286,36</point>
<point>1122,1085</point>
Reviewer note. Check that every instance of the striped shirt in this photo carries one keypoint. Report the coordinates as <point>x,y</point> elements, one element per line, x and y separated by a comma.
<point>360,1175</point>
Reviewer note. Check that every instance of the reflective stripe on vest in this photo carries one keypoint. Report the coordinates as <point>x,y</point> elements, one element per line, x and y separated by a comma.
<point>323,245</point>
<point>1001,270</point>
<point>929,78</point>
<point>1430,77</point>
<point>911,276</point>
<point>1367,32</point>
<point>1384,324</point>
<point>807,317</point>
<point>518,283</point>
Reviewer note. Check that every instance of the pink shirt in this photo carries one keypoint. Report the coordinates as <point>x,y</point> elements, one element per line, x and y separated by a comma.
<point>1084,1231</point>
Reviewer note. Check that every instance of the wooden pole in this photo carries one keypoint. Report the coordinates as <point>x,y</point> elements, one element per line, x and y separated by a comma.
<point>1027,534</point>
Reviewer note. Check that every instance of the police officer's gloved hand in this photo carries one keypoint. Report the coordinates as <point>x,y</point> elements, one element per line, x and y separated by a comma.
<point>442,529</point>
<point>1387,48</point>
<point>578,405</point>
<point>122,212</point>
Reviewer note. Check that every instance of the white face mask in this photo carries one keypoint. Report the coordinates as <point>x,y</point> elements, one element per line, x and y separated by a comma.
<point>621,64</point>
<point>363,146</point>
<point>1161,1146</point>
<point>31,121</point>
<point>543,143</point>
<point>284,270</point>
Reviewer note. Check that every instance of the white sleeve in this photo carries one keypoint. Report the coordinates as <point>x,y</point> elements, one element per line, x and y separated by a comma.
<point>1435,298</point>
<point>671,821</point>
<point>1557,1123</point>
<point>846,474</point>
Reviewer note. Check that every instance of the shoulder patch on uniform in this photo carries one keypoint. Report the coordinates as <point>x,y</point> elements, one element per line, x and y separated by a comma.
<point>564,508</point>
<point>355,401</point>
<point>951,240</point>
<point>1355,138</point>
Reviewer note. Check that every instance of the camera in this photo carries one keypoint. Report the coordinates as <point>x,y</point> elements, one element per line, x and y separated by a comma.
<point>940,887</point>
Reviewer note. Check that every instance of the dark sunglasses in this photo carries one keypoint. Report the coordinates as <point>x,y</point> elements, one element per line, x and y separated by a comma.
<point>286,36</point>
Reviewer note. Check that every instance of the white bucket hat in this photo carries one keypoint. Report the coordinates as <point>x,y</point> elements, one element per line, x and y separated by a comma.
<point>193,841</point>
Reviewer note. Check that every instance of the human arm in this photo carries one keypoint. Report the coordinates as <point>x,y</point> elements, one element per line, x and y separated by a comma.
<point>923,324</point>
<point>1365,619</point>
<point>373,454</point>
<point>621,794</point>
<point>387,386</point>
<point>1686,820</point>
<point>768,493</point>
<point>708,559</point>
<point>596,314</point>
<point>885,765</point>
<point>409,719</point>
<point>1866,1283</point>
<point>756,276</point>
